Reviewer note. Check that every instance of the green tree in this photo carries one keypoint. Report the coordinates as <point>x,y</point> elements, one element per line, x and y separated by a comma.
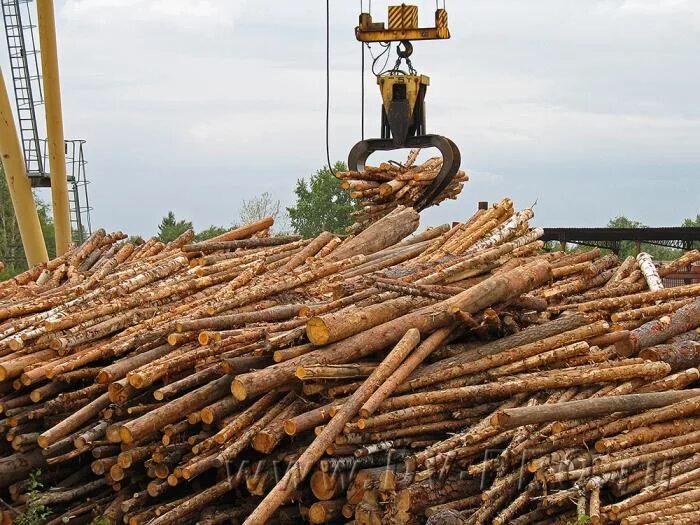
<point>623,222</point>
<point>170,228</point>
<point>659,253</point>
<point>260,207</point>
<point>47,227</point>
<point>35,512</point>
<point>210,233</point>
<point>135,239</point>
<point>690,223</point>
<point>321,204</point>
<point>11,249</point>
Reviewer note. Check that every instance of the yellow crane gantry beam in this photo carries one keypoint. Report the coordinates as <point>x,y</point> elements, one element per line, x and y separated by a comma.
<point>54,125</point>
<point>19,184</point>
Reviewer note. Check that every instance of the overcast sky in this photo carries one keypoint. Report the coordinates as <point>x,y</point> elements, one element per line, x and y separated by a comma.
<point>592,107</point>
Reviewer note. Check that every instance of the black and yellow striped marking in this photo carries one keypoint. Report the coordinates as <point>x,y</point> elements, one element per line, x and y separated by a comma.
<point>403,16</point>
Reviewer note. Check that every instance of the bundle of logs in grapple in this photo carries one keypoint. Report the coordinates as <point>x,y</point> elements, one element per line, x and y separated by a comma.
<point>456,375</point>
<point>381,189</point>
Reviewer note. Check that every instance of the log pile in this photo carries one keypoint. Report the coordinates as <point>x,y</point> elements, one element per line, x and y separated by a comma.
<point>380,189</point>
<point>456,375</point>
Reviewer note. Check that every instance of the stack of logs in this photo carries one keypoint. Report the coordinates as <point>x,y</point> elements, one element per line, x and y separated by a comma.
<point>457,375</point>
<point>379,190</point>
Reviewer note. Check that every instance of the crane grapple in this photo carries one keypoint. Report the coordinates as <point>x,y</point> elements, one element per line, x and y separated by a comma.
<point>403,123</point>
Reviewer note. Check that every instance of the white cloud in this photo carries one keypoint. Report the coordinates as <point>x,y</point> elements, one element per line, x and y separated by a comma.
<point>193,105</point>
<point>653,7</point>
<point>182,13</point>
<point>485,177</point>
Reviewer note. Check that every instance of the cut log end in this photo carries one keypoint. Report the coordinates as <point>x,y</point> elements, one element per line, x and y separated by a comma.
<point>103,377</point>
<point>317,514</point>
<point>58,343</point>
<point>161,471</point>
<point>204,338</point>
<point>498,419</point>
<point>43,441</point>
<point>238,390</point>
<point>137,380</point>
<point>316,331</point>
<point>263,443</point>
<point>124,460</point>
<point>290,427</point>
<point>112,434</point>
<point>207,415</point>
<point>116,472</point>
<point>125,435</point>
<point>323,485</point>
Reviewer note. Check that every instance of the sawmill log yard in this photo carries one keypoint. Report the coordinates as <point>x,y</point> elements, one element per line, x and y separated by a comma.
<point>382,372</point>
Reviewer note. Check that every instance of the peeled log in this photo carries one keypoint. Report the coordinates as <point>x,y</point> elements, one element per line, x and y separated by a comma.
<point>649,312</point>
<point>269,437</point>
<point>310,419</point>
<point>493,290</point>
<point>585,408</point>
<point>173,411</point>
<point>480,364</point>
<point>223,322</point>
<point>608,302</point>
<point>432,373</point>
<point>282,490</point>
<point>211,245</point>
<point>309,250</point>
<point>420,495</point>
<point>681,355</point>
<point>660,330</point>
<point>245,231</point>
<point>340,325</point>
<point>406,367</point>
<point>529,383</point>
<point>648,434</point>
<point>622,271</point>
<point>119,369</point>
<point>576,258</point>
<point>386,232</point>
<point>74,421</point>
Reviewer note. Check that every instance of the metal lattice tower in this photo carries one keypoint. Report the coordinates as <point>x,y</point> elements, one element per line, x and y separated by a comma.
<point>26,83</point>
<point>29,97</point>
<point>78,196</point>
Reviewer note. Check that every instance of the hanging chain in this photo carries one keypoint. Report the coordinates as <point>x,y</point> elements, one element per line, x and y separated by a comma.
<point>404,54</point>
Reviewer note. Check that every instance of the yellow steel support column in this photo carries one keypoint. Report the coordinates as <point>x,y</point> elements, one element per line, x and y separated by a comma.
<point>54,125</point>
<point>18,183</point>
